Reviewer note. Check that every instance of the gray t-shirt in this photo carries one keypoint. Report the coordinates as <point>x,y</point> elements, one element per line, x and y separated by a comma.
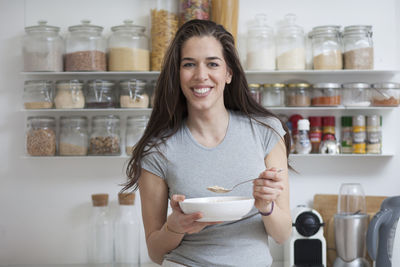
<point>189,168</point>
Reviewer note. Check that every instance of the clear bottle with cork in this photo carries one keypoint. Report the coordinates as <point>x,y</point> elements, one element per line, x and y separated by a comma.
<point>359,134</point>
<point>374,134</point>
<point>315,133</point>
<point>303,144</point>
<point>347,135</point>
<point>100,241</point>
<point>126,233</point>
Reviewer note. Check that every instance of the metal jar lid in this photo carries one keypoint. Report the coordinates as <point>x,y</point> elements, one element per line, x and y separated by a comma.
<point>275,85</point>
<point>386,85</point>
<point>254,85</point>
<point>356,85</point>
<point>327,85</point>
<point>298,85</point>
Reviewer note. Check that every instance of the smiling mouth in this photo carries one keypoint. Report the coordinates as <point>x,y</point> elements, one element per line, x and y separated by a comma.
<point>201,91</point>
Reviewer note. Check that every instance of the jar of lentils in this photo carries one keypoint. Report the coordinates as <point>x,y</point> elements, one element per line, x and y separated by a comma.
<point>73,136</point>
<point>105,136</point>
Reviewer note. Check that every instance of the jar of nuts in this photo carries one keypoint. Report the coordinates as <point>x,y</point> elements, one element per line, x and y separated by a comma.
<point>73,136</point>
<point>133,94</point>
<point>41,136</point>
<point>105,136</point>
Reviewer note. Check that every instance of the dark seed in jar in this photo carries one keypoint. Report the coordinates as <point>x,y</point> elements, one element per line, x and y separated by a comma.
<point>104,145</point>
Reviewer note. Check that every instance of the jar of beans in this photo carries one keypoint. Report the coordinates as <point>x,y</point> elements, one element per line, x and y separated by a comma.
<point>41,136</point>
<point>105,136</point>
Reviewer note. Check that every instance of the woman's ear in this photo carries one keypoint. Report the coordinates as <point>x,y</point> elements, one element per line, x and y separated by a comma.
<point>229,77</point>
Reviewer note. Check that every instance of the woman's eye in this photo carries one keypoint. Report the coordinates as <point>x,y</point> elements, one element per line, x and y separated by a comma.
<point>213,64</point>
<point>187,65</point>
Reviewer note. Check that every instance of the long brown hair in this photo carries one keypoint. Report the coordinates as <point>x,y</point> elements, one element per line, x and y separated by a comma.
<point>170,108</point>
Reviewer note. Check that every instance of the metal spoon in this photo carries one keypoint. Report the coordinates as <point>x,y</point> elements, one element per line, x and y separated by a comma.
<point>220,189</point>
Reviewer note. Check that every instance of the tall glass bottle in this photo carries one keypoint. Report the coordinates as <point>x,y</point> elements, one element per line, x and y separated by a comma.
<point>126,230</point>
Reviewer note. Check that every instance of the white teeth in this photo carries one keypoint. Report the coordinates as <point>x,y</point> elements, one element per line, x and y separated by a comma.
<point>202,90</point>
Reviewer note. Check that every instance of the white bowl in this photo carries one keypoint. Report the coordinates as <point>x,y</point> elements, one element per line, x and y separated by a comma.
<point>217,209</point>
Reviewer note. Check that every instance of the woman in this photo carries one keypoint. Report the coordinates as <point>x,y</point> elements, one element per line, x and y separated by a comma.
<point>206,129</point>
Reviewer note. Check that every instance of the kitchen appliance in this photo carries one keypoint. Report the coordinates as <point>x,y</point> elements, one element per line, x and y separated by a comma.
<point>383,236</point>
<point>306,246</point>
<point>351,224</point>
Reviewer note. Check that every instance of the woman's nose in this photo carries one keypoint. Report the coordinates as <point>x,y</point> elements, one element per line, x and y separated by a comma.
<point>201,73</point>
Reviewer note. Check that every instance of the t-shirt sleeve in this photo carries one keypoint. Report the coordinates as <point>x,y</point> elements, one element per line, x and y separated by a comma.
<point>271,136</point>
<point>155,163</point>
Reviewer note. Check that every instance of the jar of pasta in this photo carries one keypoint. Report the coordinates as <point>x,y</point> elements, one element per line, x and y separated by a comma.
<point>101,94</point>
<point>73,136</point>
<point>128,48</point>
<point>38,94</point>
<point>273,95</point>
<point>386,94</point>
<point>326,94</point>
<point>133,94</point>
<point>105,136</point>
<point>189,9</point>
<point>85,48</point>
<point>135,127</point>
<point>358,47</point>
<point>41,136</point>
<point>226,13</point>
<point>69,94</point>
<point>164,24</point>
<point>298,95</point>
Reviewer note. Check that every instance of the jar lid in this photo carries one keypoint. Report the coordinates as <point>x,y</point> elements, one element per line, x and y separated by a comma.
<point>356,85</point>
<point>327,85</point>
<point>386,85</point>
<point>288,26</point>
<point>303,124</point>
<point>85,26</point>
<point>374,120</point>
<point>328,121</point>
<point>347,121</point>
<point>71,83</point>
<point>315,121</point>
<point>301,85</point>
<point>325,30</point>
<point>100,83</point>
<point>260,25</point>
<point>107,119</point>
<point>38,85</point>
<point>74,121</point>
<point>135,120</point>
<point>100,200</point>
<point>357,29</point>
<point>126,198</point>
<point>276,85</point>
<point>42,27</point>
<point>132,83</point>
<point>359,120</point>
<point>128,26</point>
<point>42,120</point>
<point>254,85</point>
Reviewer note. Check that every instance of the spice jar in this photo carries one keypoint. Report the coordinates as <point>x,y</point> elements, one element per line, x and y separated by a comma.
<point>358,47</point>
<point>374,134</point>
<point>128,48</point>
<point>189,9</point>
<point>385,94</point>
<point>260,45</point>
<point>326,47</point>
<point>164,24</point>
<point>135,127</point>
<point>303,144</point>
<point>255,92</point>
<point>326,94</point>
<point>298,95</point>
<point>329,145</point>
<point>359,134</point>
<point>347,135</point>
<point>42,48</point>
<point>105,136</point>
<point>226,12</point>
<point>273,95</point>
<point>41,136</point>
<point>69,94</point>
<point>315,133</point>
<point>290,45</point>
<point>85,48</point>
<point>101,94</point>
<point>133,94</point>
<point>356,94</point>
<point>38,94</point>
<point>73,136</point>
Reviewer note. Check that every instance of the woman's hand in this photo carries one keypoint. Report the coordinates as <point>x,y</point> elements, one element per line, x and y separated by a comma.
<point>179,222</point>
<point>267,188</point>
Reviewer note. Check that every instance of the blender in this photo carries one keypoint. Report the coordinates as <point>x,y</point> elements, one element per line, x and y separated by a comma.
<point>351,225</point>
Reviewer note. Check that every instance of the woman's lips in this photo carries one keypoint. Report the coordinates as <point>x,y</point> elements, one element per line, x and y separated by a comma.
<point>201,92</point>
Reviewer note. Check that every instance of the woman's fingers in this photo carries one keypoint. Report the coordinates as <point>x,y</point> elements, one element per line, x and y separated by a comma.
<point>174,203</point>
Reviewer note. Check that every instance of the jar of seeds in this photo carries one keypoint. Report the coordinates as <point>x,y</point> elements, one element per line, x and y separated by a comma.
<point>41,136</point>
<point>105,136</point>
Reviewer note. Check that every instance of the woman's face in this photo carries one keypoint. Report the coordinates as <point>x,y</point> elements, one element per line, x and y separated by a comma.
<point>203,73</point>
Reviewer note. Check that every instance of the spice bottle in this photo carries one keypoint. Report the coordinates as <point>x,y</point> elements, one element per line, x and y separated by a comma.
<point>303,145</point>
<point>359,134</point>
<point>347,135</point>
<point>358,47</point>
<point>255,92</point>
<point>73,136</point>
<point>41,136</point>
<point>374,134</point>
<point>328,128</point>
<point>105,137</point>
<point>315,133</point>
<point>294,119</point>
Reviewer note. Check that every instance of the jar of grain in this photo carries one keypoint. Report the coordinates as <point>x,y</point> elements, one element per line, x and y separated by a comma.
<point>255,92</point>
<point>260,45</point>
<point>164,24</point>
<point>356,94</point>
<point>358,47</point>
<point>327,47</point>
<point>38,94</point>
<point>326,94</point>
<point>105,136</point>
<point>135,127</point>
<point>133,94</point>
<point>298,95</point>
<point>42,48</point>
<point>101,94</point>
<point>189,10</point>
<point>128,48</point>
<point>85,48</point>
<point>69,94</point>
<point>41,136</point>
<point>386,94</point>
<point>290,45</point>
<point>73,136</point>
<point>273,95</point>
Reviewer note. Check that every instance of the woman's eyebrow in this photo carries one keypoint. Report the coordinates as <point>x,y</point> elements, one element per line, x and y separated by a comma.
<point>207,58</point>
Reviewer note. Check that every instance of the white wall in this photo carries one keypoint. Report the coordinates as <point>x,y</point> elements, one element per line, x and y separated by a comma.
<point>44,203</point>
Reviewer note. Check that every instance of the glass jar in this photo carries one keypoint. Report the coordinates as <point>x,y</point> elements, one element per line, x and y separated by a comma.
<point>359,134</point>
<point>101,94</point>
<point>128,48</point>
<point>356,94</point>
<point>41,136</point>
<point>385,94</point>
<point>374,134</point>
<point>298,95</point>
<point>290,45</point>
<point>226,13</point>
<point>273,95</point>
<point>189,9</point>
<point>42,48</point>
<point>85,48</point>
<point>164,25</point>
<point>326,94</point>
<point>69,94</point>
<point>38,94</point>
<point>135,127</point>
<point>105,136</point>
<point>327,47</point>
<point>73,136</point>
<point>358,47</point>
<point>255,92</point>
<point>260,45</point>
<point>133,94</point>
